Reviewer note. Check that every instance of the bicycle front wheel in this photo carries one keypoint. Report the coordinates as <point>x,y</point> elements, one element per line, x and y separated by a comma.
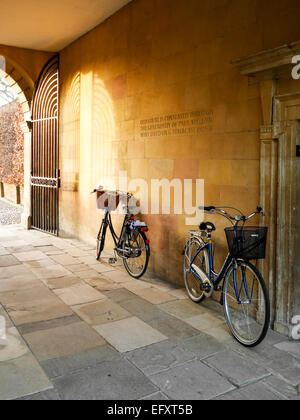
<point>246,304</point>
<point>137,249</point>
<point>192,283</point>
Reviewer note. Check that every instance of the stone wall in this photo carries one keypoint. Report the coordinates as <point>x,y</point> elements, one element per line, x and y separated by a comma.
<point>11,144</point>
<point>149,63</point>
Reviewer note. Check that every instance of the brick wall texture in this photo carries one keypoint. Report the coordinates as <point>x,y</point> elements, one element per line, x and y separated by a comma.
<point>11,144</point>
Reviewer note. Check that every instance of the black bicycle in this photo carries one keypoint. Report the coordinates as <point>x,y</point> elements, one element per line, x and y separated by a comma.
<point>132,246</point>
<point>244,293</point>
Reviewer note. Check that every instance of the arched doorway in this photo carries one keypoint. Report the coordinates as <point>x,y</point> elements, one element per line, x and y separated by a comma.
<point>45,150</point>
<point>22,85</point>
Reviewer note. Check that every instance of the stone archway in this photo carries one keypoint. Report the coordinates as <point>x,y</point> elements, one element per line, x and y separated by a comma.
<point>23,86</point>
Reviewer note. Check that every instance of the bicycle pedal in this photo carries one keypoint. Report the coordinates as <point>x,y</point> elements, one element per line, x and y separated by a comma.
<point>112,260</point>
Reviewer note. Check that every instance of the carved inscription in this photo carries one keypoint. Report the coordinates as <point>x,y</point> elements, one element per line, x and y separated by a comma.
<point>181,124</point>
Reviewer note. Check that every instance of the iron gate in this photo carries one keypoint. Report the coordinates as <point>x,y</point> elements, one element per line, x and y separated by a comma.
<point>44,150</point>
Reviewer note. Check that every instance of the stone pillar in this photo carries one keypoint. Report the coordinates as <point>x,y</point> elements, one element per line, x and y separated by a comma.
<point>25,218</point>
<point>268,196</point>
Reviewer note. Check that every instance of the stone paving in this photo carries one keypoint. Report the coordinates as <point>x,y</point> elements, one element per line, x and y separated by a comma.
<point>10,214</point>
<point>81,329</point>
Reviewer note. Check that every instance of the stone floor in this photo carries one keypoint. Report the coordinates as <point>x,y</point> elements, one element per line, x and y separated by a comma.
<point>10,214</point>
<point>81,329</point>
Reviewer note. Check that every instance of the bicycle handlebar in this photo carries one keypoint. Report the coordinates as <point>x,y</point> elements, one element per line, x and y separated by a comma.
<point>237,218</point>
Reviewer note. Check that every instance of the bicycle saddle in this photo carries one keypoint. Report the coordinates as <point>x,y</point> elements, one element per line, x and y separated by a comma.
<point>207,226</point>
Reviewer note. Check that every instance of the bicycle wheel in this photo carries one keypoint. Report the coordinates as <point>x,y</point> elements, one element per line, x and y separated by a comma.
<point>101,240</point>
<point>246,304</point>
<point>138,251</point>
<point>192,283</point>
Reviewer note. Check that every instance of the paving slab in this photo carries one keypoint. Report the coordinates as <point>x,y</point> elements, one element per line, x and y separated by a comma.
<point>102,312</point>
<point>77,267</point>
<point>116,380</point>
<point>47,325</point>
<point>117,276</point>
<point>64,259</point>
<point>282,387</point>
<point>9,272</point>
<point>158,396</point>
<point>80,361</point>
<point>120,295</point>
<point>30,256</point>
<point>191,381</point>
<point>21,377</point>
<point>179,293</point>
<point>221,333</point>
<point>173,328</point>
<point>202,345</point>
<point>62,282</point>
<point>33,305</point>
<point>27,280</point>
<point>276,361</point>
<point>204,322</point>
<point>159,357</point>
<point>129,334</point>
<point>49,250</point>
<point>88,274</point>
<point>78,294</point>
<point>19,249</point>
<point>12,241</point>
<point>143,309</point>
<point>182,309</point>
<point>103,285</point>
<point>45,262</point>
<point>51,272</point>
<point>292,347</point>
<point>73,251</point>
<point>238,370</point>
<point>3,251</point>
<point>89,259</point>
<point>155,296</point>
<point>51,395</point>
<point>255,392</point>
<point>8,261</point>
<point>134,285</point>
<point>13,346</point>
<point>63,341</point>
<point>102,268</point>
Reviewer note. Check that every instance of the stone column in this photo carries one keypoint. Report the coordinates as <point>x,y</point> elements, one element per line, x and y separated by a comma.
<point>25,218</point>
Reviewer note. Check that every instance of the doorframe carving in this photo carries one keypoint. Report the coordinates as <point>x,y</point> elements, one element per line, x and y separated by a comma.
<point>278,178</point>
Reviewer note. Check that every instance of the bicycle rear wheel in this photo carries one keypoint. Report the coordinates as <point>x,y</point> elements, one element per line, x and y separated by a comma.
<point>138,251</point>
<point>246,304</point>
<point>192,283</point>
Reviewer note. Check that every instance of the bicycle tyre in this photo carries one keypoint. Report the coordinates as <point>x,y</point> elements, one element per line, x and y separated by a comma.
<point>193,290</point>
<point>255,320</point>
<point>126,261</point>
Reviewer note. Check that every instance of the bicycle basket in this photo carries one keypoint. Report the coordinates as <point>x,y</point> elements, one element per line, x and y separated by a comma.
<point>247,242</point>
<point>108,200</point>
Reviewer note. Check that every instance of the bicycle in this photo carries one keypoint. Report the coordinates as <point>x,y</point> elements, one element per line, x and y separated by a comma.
<point>244,294</point>
<point>132,246</point>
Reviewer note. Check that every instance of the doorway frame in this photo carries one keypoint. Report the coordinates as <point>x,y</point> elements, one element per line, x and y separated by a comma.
<point>278,138</point>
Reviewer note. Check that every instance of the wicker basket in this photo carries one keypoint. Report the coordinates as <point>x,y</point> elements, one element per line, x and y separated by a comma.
<point>108,200</point>
<point>247,242</point>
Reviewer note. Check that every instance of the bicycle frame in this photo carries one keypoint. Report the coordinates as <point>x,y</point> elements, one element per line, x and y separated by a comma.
<point>216,278</point>
<point>108,222</point>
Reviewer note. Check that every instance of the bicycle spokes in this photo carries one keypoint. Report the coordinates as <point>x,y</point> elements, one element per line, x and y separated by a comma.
<point>245,304</point>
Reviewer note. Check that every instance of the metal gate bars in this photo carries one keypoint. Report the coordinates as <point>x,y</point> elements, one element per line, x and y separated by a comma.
<point>45,149</point>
